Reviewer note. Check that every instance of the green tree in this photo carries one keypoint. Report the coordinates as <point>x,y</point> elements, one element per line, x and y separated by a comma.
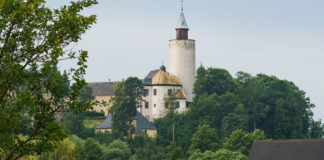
<point>183,130</point>
<point>175,152</point>
<point>66,150</point>
<point>235,120</point>
<point>221,154</point>
<point>208,109</point>
<point>276,106</point>
<point>199,85</point>
<point>240,141</point>
<point>73,122</point>
<point>146,148</point>
<point>171,103</point>
<point>33,39</point>
<point>211,109</point>
<point>204,139</point>
<point>127,97</point>
<point>213,80</point>
<point>317,129</point>
<point>117,150</point>
<point>86,95</point>
<point>91,150</point>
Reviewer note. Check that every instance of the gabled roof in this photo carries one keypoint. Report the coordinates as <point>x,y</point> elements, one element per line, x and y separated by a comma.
<point>106,124</point>
<point>182,23</point>
<point>102,88</point>
<point>141,123</point>
<point>306,149</point>
<point>148,79</point>
<point>164,78</point>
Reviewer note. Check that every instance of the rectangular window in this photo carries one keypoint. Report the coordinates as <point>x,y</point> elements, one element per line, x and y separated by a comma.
<point>146,105</point>
<point>177,104</point>
<point>146,92</point>
<point>155,92</point>
<point>166,105</point>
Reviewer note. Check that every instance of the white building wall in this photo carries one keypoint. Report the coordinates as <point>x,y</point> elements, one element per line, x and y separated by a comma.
<point>147,112</point>
<point>182,59</point>
<point>156,102</point>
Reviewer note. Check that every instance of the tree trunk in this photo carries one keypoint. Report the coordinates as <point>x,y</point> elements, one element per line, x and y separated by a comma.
<point>254,125</point>
<point>173,128</point>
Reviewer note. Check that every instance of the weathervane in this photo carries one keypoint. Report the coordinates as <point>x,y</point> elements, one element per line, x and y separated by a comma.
<point>181,5</point>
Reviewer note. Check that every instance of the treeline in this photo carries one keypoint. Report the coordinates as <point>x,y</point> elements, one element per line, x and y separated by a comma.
<point>226,116</point>
<point>204,146</point>
<point>246,102</point>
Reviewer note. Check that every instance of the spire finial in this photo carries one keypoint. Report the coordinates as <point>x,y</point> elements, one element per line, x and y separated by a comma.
<point>182,5</point>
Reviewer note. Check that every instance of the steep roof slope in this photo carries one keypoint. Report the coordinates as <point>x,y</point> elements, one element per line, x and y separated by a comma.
<point>182,23</point>
<point>141,123</point>
<point>164,78</point>
<point>148,79</point>
<point>102,88</point>
<point>288,150</point>
<point>106,124</point>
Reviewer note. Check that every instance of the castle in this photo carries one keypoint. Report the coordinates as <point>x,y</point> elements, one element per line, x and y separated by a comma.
<point>159,82</point>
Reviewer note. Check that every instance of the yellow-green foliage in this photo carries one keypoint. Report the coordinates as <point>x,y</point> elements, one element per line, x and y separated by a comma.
<point>65,150</point>
<point>31,157</point>
<point>92,123</point>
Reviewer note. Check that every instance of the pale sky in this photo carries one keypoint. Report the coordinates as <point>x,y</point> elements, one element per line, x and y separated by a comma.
<point>275,37</point>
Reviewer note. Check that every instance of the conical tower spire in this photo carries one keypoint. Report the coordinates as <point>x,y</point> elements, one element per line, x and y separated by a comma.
<point>182,27</point>
<point>182,23</point>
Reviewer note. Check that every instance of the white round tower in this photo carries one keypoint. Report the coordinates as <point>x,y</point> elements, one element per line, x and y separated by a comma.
<point>182,57</point>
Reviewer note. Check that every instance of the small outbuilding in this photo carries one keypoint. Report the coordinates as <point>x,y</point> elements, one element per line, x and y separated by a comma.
<point>141,124</point>
<point>303,149</point>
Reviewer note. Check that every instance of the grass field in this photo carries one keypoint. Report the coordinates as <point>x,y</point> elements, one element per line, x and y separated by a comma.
<point>92,123</point>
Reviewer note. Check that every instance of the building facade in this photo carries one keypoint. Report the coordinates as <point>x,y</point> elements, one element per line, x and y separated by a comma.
<point>182,57</point>
<point>158,83</point>
<point>103,92</point>
<point>141,124</point>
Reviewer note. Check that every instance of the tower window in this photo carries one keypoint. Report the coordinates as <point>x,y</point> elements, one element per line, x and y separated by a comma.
<point>155,92</point>
<point>146,105</point>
